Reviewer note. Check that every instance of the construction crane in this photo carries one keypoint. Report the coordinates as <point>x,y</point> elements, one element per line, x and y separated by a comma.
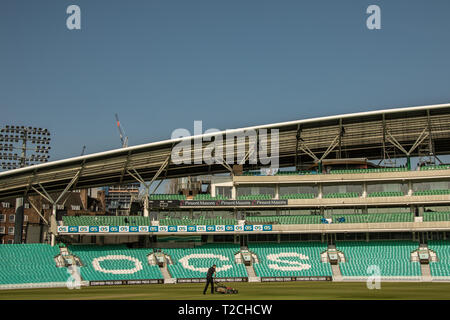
<point>123,138</point>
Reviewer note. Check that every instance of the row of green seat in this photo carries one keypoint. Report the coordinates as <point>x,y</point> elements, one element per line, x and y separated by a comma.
<point>386,194</point>
<point>293,173</point>
<point>440,268</point>
<point>291,219</point>
<point>255,197</point>
<point>30,263</point>
<point>436,216</point>
<point>437,167</point>
<point>392,257</point>
<point>167,197</point>
<point>342,195</point>
<point>298,196</point>
<point>194,262</point>
<point>432,192</point>
<point>290,259</point>
<point>114,262</point>
<point>369,170</point>
<point>199,221</point>
<point>106,221</point>
<point>373,217</point>
<point>209,197</point>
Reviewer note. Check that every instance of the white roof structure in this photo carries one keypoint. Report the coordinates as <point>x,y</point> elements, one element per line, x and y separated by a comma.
<point>356,135</point>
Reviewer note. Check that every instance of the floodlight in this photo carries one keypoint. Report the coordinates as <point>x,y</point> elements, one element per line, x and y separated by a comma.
<point>19,136</point>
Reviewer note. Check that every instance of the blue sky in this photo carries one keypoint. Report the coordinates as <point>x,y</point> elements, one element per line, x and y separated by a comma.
<point>163,64</point>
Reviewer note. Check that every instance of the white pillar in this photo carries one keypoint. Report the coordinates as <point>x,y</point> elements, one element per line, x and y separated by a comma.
<point>53,228</point>
<point>146,205</point>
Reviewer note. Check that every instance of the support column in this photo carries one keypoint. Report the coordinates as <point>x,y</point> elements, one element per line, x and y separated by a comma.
<point>18,224</point>
<point>408,162</point>
<point>52,226</point>
<point>277,191</point>
<point>146,206</point>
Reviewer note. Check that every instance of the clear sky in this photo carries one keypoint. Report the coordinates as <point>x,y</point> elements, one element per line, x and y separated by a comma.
<point>163,64</point>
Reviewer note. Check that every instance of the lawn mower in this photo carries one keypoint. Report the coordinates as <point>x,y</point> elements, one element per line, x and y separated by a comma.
<point>223,289</point>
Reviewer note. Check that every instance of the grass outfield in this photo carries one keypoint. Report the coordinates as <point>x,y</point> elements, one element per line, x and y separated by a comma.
<point>249,291</point>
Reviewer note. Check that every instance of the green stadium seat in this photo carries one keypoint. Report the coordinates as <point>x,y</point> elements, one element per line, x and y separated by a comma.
<point>392,257</point>
<point>30,263</point>
<point>194,262</point>
<point>290,259</point>
<point>288,219</point>
<point>441,268</point>
<point>115,262</point>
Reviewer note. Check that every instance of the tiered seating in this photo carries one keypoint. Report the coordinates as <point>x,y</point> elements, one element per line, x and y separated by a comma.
<point>30,263</point>
<point>290,259</point>
<point>392,257</point>
<point>194,262</point>
<point>373,217</point>
<point>255,197</point>
<point>294,219</point>
<point>342,195</point>
<point>441,268</point>
<point>436,216</point>
<point>432,192</point>
<point>386,194</point>
<point>294,173</point>
<point>106,221</point>
<point>437,167</point>
<point>209,197</point>
<point>298,196</point>
<point>116,262</point>
<point>369,170</point>
<point>167,197</point>
<point>194,222</point>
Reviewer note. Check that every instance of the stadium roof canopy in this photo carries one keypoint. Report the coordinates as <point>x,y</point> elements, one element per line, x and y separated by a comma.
<point>372,135</point>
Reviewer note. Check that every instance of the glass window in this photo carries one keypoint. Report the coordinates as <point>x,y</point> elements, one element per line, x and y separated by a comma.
<point>387,187</point>
<point>284,190</point>
<point>342,188</point>
<point>11,230</point>
<point>223,191</point>
<point>255,190</point>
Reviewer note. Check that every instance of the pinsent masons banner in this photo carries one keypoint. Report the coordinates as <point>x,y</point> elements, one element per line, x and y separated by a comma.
<point>215,203</point>
<point>163,229</point>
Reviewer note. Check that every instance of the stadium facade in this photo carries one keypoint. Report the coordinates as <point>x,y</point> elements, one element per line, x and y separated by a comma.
<point>355,195</point>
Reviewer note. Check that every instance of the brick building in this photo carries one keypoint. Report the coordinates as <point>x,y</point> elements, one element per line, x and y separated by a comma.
<point>35,225</point>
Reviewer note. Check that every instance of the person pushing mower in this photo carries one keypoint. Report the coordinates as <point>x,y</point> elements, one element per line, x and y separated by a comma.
<point>209,279</point>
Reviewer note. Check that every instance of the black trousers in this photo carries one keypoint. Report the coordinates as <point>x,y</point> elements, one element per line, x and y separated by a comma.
<point>208,281</point>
